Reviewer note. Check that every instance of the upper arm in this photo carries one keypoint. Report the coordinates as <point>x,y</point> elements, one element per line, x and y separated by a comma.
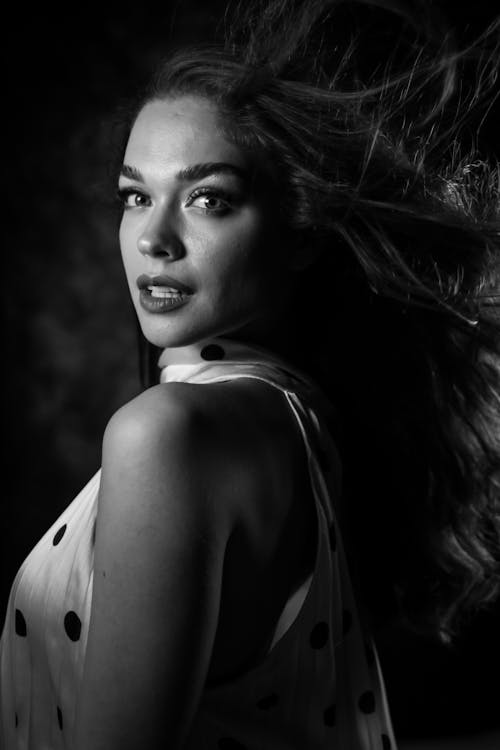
<point>161,535</point>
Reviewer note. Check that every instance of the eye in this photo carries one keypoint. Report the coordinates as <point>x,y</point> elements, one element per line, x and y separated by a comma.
<point>211,201</point>
<point>131,198</point>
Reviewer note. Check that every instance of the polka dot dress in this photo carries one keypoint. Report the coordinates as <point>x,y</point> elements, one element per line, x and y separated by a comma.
<point>318,687</point>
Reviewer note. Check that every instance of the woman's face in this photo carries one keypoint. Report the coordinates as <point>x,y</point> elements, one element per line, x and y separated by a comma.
<point>190,212</point>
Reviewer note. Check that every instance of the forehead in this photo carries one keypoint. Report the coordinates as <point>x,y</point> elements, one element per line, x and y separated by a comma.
<point>171,133</point>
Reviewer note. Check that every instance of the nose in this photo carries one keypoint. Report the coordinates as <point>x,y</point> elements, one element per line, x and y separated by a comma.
<point>159,237</point>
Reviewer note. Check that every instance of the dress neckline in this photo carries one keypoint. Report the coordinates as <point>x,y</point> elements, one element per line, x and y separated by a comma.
<point>222,358</point>
<point>221,351</point>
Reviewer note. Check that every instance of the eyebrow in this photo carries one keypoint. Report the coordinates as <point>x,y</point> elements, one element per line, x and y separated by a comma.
<point>193,172</point>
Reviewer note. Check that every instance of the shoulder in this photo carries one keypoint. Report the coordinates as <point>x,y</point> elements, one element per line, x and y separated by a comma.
<point>162,531</point>
<point>228,441</point>
<point>168,444</point>
<point>208,422</point>
<point>200,442</point>
<point>167,423</point>
<point>156,412</point>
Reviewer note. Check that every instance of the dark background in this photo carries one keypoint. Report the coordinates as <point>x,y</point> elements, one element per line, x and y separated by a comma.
<point>69,336</point>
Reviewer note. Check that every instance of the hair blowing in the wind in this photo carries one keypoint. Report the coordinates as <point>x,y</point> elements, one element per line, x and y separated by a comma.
<point>376,172</point>
<point>309,233</point>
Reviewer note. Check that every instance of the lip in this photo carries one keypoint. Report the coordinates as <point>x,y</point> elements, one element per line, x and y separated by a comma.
<point>159,305</point>
<point>144,281</point>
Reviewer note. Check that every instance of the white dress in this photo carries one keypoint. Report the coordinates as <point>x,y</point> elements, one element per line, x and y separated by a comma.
<point>319,687</point>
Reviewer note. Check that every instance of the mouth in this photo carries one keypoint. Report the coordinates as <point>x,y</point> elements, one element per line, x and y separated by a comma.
<point>157,299</point>
<point>164,292</point>
<point>162,286</point>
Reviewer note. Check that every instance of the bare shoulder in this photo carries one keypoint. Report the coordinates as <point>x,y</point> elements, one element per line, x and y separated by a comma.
<point>189,417</point>
<point>169,443</point>
<point>176,421</point>
<point>207,439</point>
<point>160,542</point>
<point>156,411</point>
<point>195,405</point>
<point>193,437</point>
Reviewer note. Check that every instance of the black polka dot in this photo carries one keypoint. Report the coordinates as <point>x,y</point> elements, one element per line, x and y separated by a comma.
<point>346,621</point>
<point>17,720</point>
<point>228,743</point>
<point>72,625</point>
<point>332,533</point>
<point>366,702</point>
<point>212,351</point>
<point>370,654</point>
<point>59,535</point>
<point>93,532</point>
<point>270,701</point>
<point>21,628</point>
<point>386,742</point>
<point>329,715</point>
<point>59,718</point>
<point>319,635</point>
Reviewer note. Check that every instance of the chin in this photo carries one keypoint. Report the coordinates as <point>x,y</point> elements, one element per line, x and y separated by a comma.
<point>163,339</point>
<point>183,330</point>
<point>165,334</point>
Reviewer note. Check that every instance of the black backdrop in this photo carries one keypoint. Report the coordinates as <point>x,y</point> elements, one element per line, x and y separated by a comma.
<point>69,336</point>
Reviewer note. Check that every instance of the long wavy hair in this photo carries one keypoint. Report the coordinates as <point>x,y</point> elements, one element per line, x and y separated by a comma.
<point>404,333</point>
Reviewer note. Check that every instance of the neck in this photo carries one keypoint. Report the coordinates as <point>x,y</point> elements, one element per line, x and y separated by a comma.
<point>286,333</point>
<point>285,336</point>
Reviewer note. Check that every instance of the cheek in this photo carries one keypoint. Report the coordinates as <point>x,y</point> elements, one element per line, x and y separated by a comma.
<point>125,233</point>
<point>128,248</point>
<point>243,249</point>
<point>238,271</point>
<point>123,241</point>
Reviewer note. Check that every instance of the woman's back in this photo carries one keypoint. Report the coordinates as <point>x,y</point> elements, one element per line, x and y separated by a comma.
<point>292,664</point>
<point>271,550</point>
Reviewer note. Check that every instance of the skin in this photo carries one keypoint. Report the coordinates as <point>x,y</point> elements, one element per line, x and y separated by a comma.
<point>226,249</point>
<point>174,547</point>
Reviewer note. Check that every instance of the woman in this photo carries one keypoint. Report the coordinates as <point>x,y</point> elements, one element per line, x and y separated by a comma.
<point>288,249</point>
